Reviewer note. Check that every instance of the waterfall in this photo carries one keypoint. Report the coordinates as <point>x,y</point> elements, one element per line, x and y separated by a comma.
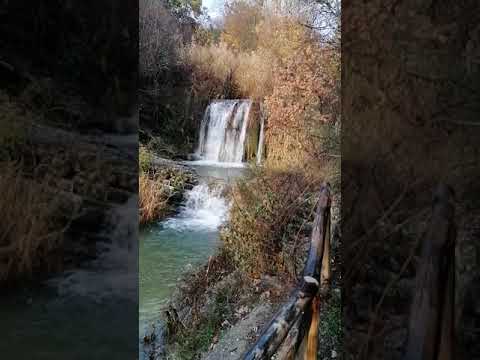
<point>260,142</point>
<point>223,131</point>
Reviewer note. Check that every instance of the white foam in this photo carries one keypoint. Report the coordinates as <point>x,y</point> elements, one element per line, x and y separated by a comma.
<point>204,209</point>
<point>223,131</point>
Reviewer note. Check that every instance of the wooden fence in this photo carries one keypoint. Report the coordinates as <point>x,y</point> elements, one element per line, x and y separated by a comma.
<point>293,330</point>
<point>431,325</point>
<point>292,333</point>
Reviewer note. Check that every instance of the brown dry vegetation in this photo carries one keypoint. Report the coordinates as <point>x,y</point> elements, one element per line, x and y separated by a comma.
<point>284,64</point>
<point>269,55</point>
<point>266,229</point>
<point>153,198</point>
<point>160,187</point>
<point>31,235</point>
<point>304,102</point>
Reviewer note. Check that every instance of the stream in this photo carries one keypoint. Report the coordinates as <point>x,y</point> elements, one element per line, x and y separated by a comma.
<point>181,242</point>
<point>89,312</point>
<point>186,240</point>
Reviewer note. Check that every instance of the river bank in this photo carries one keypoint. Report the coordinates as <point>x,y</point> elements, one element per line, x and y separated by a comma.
<point>178,243</point>
<point>203,305</point>
<point>219,311</point>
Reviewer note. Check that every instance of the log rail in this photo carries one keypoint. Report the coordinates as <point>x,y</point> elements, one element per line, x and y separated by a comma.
<point>292,333</point>
<point>431,326</point>
<point>285,334</point>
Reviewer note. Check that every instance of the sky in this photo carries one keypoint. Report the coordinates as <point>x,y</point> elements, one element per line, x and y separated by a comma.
<point>214,7</point>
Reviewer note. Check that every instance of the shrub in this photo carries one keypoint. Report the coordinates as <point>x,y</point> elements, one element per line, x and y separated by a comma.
<point>282,36</point>
<point>330,327</point>
<point>197,339</point>
<point>159,189</point>
<point>12,124</point>
<point>212,70</point>
<point>240,22</point>
<point>145,158</point>
<point>253,75</point>
<point>305,98</point>
<point>266,219</point>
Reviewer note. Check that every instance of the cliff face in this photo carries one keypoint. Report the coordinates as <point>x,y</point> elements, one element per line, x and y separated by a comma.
<point>410,103</point>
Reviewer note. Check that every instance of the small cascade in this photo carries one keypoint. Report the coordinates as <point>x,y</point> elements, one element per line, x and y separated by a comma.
<point>205,208</point>
<point>260,142</point>
<point>224,130</point>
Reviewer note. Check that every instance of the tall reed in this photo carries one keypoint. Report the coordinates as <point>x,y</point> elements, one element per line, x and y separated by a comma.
<point>29,231</point>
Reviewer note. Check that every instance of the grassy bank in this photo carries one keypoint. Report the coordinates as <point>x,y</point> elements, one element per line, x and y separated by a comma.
<point>263,249</point>
<point>161,187</point>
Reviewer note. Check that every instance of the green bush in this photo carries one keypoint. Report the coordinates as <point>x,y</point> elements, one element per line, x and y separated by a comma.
<point>145,158</point>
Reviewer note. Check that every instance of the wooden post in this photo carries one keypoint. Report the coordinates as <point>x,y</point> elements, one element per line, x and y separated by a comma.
<point>276,332</point>
<point>292,342</point>
<point>312,340</point>
<point>446,348</point>
<point>326,273</point>
<point>429,331</point>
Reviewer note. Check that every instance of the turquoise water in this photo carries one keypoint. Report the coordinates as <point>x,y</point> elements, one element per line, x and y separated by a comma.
<point>164,254</point>
<point>181,242</point>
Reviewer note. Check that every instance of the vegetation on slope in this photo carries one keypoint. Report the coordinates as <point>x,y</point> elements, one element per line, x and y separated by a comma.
<point>267,54</point>
<point>161,187</point>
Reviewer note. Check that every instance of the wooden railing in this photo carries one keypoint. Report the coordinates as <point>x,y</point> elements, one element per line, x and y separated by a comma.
<point>292,333</point>
<point>293,330</point>
<point>431,326</point>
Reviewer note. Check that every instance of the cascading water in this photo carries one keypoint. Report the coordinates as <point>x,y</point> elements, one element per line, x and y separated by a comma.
<point>223,131</point>
<point>205,209</point>
<point>260,142</point>
<point>170,247</point>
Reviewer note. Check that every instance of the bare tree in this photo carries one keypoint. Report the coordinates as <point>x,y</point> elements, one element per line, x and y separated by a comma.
<point>159,37</point>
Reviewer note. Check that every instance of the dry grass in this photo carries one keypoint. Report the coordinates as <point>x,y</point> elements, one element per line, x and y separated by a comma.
<point>267,220</point>
<point>253,75</point>
<point>153,198</point>
<point>30,235</point>
<point>217,67</point>
<point>212,70</point>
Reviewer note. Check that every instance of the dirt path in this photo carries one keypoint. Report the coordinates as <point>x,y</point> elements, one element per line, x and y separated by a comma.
<point>236,340</point>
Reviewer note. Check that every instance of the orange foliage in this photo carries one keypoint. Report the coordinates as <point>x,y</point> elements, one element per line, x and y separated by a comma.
<point>305,96</point>
<point>240,22</point>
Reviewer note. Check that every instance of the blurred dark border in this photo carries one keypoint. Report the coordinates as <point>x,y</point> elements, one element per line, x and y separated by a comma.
<point>411,106</point>
<point>69,179</point>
